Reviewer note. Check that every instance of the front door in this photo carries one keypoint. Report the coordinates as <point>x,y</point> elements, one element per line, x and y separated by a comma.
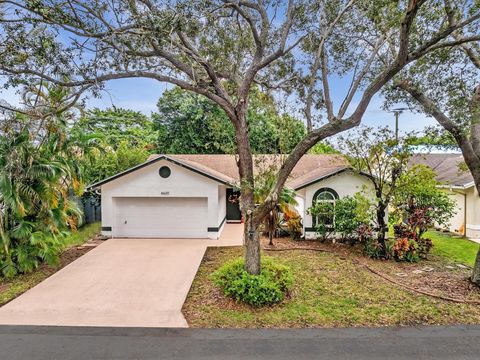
<point>233,206</point>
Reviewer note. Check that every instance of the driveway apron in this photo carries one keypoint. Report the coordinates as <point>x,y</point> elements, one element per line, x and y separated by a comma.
<point>123,282</point>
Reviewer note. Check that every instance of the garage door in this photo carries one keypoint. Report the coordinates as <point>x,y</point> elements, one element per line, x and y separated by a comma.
<point>161,217</point>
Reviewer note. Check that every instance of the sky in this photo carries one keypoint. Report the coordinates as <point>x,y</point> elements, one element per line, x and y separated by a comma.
<point>142,95</point>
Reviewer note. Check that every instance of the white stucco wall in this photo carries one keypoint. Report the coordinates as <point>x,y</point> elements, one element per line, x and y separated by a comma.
<point>146,182</point>
<point>473,213</point>
<point>457,224</point>
<point>345,184</point>
<point>222,206</point>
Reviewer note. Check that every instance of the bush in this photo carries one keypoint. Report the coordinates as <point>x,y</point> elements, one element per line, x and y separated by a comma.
<point>372,248</point>
<point>345,219</point>
<point>405,250</point>
<point>422,245</point>
<point>268,288</point>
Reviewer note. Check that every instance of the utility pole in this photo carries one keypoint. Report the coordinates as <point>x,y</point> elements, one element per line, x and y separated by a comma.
<point>396,113</point>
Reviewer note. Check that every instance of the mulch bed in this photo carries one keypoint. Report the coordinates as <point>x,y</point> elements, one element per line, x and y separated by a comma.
<point>432,275</point>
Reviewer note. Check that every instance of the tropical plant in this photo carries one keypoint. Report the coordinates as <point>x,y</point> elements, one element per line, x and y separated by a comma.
<point>405,250</point>
<point>286,202</point>
<point>35,209</point>
<point>291,221</point>
<point>419,204</point>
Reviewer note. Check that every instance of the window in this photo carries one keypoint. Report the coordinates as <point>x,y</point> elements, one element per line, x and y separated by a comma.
<point>164,172</point>
<point>327,197</point>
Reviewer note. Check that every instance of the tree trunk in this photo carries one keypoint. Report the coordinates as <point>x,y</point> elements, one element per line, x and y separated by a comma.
<point>252,246</point>
<point>476,270</point>
<point>245,169</point>
<point>271,228</point>
<point>382,227</point>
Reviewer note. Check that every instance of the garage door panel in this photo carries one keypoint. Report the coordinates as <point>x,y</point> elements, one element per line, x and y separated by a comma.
<point>161,217</point>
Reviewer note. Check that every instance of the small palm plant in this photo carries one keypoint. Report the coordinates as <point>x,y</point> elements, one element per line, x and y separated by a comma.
<point>275,219</point>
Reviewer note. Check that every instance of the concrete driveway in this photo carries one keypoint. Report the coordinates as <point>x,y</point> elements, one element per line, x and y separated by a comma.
<point>122,282</point>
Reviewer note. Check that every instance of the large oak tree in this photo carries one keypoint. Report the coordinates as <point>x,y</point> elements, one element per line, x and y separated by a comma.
<point>446,86</point>
<point>221,48</point>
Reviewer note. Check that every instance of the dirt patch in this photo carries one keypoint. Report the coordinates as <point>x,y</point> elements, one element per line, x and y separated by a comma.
<point>432,276</point>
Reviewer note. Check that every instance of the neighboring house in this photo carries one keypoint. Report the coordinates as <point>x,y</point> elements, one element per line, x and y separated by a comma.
<point>460,187</point>
<point>192,196</point>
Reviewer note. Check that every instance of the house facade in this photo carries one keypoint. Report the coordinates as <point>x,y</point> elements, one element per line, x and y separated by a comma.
<point>459,186</point>
<point>193,196</point>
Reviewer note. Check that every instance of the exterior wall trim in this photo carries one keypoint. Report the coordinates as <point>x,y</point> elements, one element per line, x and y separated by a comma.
<point>217,229</point>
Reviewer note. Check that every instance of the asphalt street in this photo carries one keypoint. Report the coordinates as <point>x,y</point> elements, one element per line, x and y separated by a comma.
<point>65,343</point>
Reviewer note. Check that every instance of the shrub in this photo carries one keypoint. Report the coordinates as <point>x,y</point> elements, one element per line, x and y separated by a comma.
<point>292,221</point>
<point>372,248</point>
<point>419,203</point>
<point>424,247</point>
<point>269,287</point>
<point>406,250</point>
<point>345,219</point>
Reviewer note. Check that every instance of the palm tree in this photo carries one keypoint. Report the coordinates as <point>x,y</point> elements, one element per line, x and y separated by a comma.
<point>286,202</point>
<point>35,179</point>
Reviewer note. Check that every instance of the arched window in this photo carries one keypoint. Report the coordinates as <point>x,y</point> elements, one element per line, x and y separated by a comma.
<point>328,197</point>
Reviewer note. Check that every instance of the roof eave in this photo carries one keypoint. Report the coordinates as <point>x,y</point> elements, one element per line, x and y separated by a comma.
<point>460,187</point>
<point>326,176</point>
<point>150,162</point>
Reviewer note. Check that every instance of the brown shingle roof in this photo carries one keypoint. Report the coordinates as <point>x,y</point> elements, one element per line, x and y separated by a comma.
<point>309,168</point>
<point>446,166</point>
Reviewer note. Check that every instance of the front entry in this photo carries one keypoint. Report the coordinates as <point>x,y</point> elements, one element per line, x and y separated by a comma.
<point>233,206</point>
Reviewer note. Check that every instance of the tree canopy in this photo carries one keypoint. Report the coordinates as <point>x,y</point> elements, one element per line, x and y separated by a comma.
<point>117,125</point>
<point>383,158</point>
<point>124,138</point>
<point>189,123</point>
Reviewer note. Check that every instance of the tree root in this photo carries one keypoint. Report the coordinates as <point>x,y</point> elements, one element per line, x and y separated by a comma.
<point>297,248</point>
<point>412,289</point>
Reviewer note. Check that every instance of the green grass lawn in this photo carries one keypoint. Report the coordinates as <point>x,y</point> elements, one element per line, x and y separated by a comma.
<point>83,234</point>
<point>453,249</point>
<point>11,288</point>
<point>329,290</point>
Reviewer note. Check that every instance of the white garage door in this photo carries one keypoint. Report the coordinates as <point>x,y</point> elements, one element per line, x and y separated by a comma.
<point>161,217</point>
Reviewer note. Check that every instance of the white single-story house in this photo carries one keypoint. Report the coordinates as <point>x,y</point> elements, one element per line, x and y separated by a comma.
<point>459,185</point>
<point>193,196</point>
